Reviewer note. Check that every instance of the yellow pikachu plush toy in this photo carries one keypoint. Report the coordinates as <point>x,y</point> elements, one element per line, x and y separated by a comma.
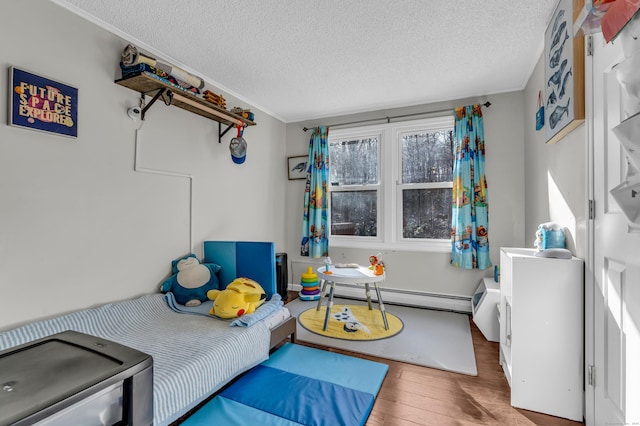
<point>242,296</point>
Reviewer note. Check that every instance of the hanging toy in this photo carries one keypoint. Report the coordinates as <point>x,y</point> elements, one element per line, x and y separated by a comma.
<point>238,147</point>
<point>540,112</point>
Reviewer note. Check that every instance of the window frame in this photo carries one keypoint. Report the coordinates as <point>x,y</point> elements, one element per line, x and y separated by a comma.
<point>433,124</point>
<point>390,186</point>
<point>360,133</point>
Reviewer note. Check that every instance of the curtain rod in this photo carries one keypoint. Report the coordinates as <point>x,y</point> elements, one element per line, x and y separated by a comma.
<point>486,105</point>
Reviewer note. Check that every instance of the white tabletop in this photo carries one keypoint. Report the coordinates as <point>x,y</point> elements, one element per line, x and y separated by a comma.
<point>359,275</point>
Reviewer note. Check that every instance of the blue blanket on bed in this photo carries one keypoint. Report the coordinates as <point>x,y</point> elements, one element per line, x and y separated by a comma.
<point>261,313</point>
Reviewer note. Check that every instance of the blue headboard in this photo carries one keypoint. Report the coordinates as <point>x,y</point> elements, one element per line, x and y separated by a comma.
<point>251,259</point>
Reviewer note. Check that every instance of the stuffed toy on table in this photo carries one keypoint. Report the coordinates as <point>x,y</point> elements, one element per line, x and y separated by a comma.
<point>191,280</point>
<point>242,296</point>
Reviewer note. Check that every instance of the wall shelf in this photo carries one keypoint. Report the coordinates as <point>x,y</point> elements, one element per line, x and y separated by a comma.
<point>149,85</point>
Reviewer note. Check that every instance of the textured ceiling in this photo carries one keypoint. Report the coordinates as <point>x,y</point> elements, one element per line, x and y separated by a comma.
<point>300,60</point>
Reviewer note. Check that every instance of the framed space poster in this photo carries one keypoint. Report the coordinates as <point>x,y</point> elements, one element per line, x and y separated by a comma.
<point>42,104</point>
<point>564,74</point>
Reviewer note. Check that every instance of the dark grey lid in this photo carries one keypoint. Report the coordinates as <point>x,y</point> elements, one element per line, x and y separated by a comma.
<point>44,372</point>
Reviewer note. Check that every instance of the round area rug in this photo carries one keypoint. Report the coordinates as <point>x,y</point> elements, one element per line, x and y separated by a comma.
<point>351,322</point>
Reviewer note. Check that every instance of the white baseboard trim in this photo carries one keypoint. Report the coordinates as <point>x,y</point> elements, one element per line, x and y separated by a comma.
<point>405,298</point>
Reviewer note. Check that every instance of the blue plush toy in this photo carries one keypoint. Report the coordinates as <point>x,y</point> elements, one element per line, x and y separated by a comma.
<point>549,235</point>
<point>191,280</point>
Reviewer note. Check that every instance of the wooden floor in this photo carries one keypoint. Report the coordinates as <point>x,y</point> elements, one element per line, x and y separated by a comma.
<point>414,395</point>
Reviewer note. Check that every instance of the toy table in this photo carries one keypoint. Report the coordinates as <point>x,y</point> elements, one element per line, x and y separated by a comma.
<point>358,275</point>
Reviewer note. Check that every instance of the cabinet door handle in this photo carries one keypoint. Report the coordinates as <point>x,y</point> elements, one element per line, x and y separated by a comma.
<point>508,325</point>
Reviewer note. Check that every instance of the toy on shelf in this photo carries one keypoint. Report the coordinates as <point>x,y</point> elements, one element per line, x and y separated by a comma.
<point>244,113</point>
<point>131,57</point>
<point>310,288</point>
<point>214,98</point>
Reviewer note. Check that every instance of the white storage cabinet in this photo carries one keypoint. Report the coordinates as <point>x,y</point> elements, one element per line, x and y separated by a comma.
<point>541,331</point>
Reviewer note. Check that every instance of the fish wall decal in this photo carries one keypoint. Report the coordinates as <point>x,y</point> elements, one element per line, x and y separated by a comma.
<point>555,58</point>
<point>564,82</point>
<point>557,114</point>
<point>556,37</point>
<point>557,76</point>
<point>559,16</point>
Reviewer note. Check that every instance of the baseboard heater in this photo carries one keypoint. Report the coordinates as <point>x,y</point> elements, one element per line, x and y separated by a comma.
<point>444,302</point>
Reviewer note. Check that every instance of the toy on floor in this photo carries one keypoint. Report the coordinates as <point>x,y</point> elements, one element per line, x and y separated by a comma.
<point>191,280</point>
<point>242,296</point>
<point>309,282</point>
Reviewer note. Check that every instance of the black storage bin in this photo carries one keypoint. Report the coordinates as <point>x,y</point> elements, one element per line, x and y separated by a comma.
<point>282,275</point>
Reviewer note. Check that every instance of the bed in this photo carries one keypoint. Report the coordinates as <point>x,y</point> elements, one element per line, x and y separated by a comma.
<point>194,355</point>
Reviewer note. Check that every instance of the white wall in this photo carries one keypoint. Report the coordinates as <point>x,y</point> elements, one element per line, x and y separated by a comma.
<point>555,175</point>
<point>431,272</point>
<point>78,227</point>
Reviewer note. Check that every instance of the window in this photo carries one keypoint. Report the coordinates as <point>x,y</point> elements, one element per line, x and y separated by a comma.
<point>355,182</point>
<point>391,184</point>
<point>426,183</point>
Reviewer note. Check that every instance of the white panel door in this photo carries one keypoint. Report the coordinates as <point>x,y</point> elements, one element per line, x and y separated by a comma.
<point>612,397</point>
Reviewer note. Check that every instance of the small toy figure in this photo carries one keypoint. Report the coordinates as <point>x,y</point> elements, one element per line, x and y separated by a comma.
<point>327,263</point>
<point>373,260</point>
<point>376,264</point>
<point>378,269</point>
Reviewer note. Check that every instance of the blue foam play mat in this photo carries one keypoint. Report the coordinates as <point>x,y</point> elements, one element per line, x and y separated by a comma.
<point>298,385</point>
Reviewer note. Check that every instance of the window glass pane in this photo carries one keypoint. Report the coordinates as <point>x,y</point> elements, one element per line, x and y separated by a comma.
<point>426,213</point>
<point>354,213</point>
<point>427,157</point>
<point>354,162</point>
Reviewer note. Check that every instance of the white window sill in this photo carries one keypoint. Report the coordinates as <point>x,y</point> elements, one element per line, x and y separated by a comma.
<point>430,247</point>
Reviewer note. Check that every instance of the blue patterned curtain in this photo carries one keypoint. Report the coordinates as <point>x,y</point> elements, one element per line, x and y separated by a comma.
<point>470,207</point>
<point>315,242</point>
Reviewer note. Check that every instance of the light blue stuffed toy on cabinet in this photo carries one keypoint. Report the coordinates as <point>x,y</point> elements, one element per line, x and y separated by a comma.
<point>549,235</point>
